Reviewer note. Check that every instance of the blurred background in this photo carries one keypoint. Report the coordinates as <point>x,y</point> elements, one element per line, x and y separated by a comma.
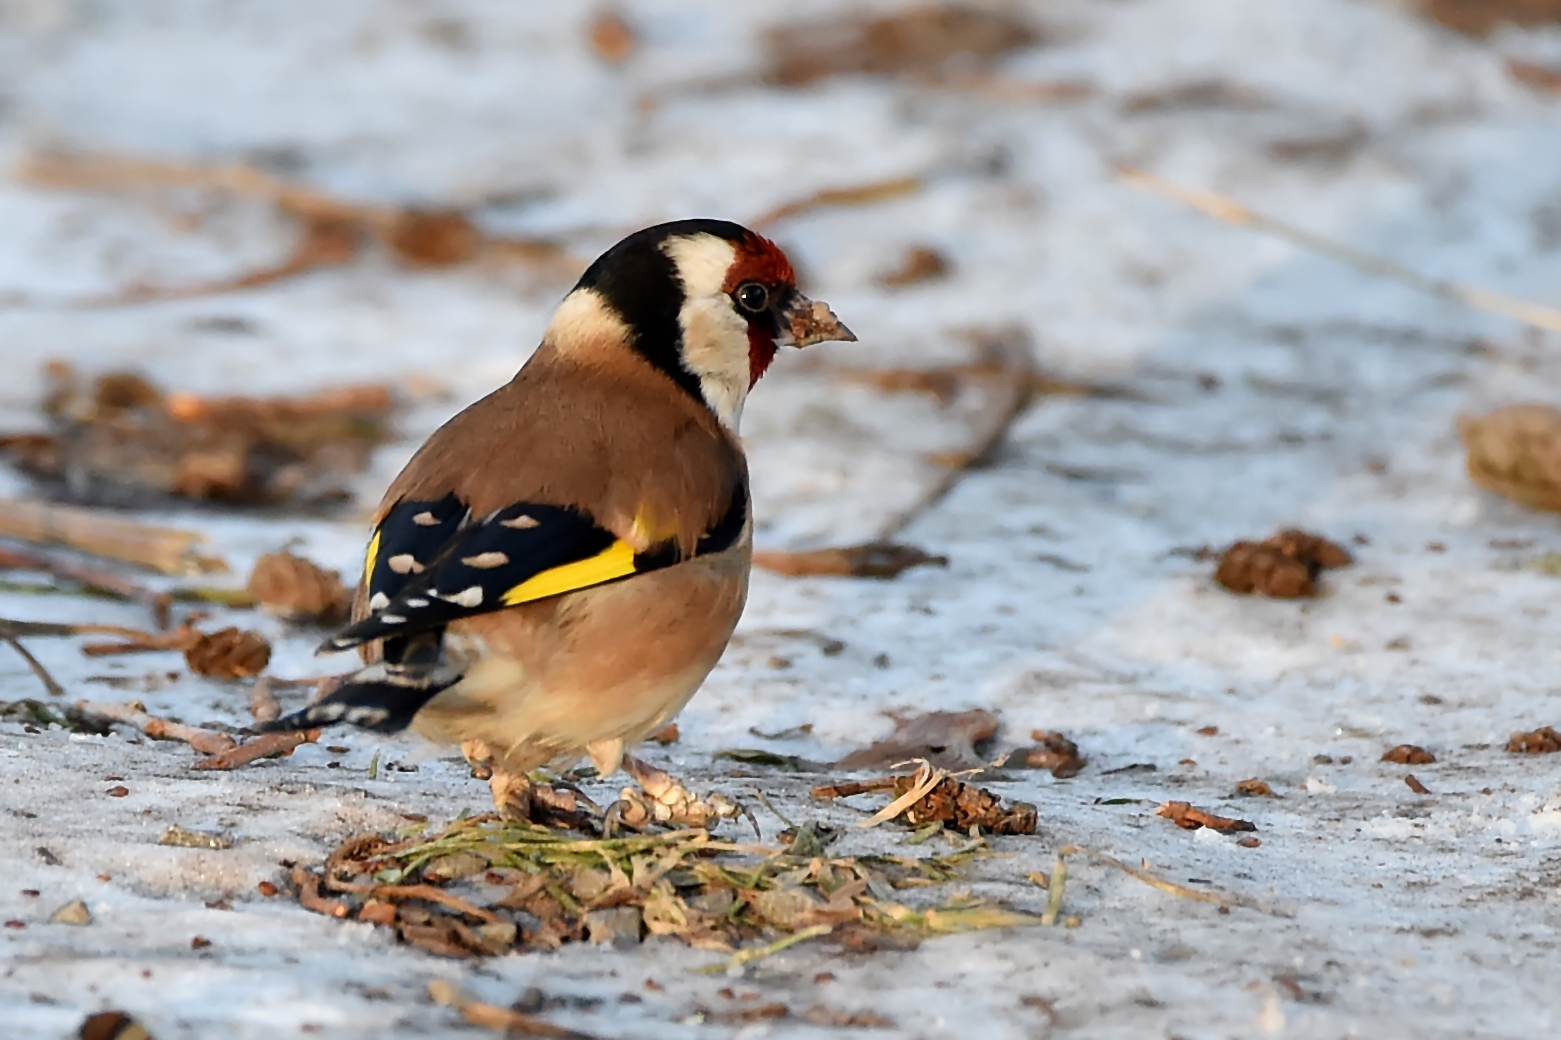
<point>1133,280</point>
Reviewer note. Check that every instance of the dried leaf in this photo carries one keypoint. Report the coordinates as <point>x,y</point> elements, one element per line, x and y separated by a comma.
<point>932,42</point>
<point>869,560</point>
<point>1516,452</point>
<point>1542,741</point>
<point>919,264</point>
<point>1540,77</point>
<point>298,589</point>
<point>944,738</point>
<point>1255,788</point>
<point>188,839</point>
<point>1284,566</point>
<point>1415,785</point>
<point>229,653</point>
<point>965,806</point>
<point>1055,752</point>
<point>1190,818</point>
<point>1408,755</point>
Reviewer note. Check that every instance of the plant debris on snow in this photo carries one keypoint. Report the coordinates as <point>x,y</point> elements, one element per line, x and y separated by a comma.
<point>299,590</point>
<point>879,559</point>
<point>944,738</point>
<point>1189,817</point>
<point>1053,752</point>
<point>119,439</point>
<point>931,796</point>
<point>486,886</point>
<point>1284,566</point>
<point>1542,741</point>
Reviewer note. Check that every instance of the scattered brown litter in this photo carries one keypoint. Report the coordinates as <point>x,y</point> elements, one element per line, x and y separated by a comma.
<point>667,734</point>
<point>1284,566</point>
<point>129,449</point>
<point>611,38</point>
<point>332,232</point>
<point>164,549</point>
<point>298,589</point>
<point>1415,785</point>
<point>930,795</point>
<point>229,653</point>
<point>929,43</point>
<point>944,738</point>
<point>92,579</point>
<point>1249,842</point>
<point>112,1025</point>
<point>1408,755</point>
<point>267,745</point>
<point>207,742</point>
<point>1478,17</point>
<point>879,559</point>
<point>1540,77</point>
<point>1255,788</point>
<point>121,791</point>
<point>1516,452</point>
<point>1054,752</point>
<point>919,264</point>
<point>1542,741</point>
<point>1190,818</point>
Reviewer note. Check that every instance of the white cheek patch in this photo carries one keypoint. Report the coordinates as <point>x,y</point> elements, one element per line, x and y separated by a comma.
<point>715,336</point>
<point>584,317</point>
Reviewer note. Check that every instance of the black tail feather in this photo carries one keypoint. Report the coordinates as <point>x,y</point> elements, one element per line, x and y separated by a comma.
<point>380,705</point>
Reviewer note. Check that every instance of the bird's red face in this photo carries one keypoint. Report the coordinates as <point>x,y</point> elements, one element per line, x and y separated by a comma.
<point>709,303</point>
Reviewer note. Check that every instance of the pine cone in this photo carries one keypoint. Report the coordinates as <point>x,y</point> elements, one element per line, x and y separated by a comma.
<point>229,654</point>
<point>297,589</point>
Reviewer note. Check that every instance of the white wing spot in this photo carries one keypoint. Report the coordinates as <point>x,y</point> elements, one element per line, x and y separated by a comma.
<point>416,601</point>
<point>485,561</point>
<point>425,519</point>
<point>405,563</point>
<point>326,712</point>
<point>391,619</point>
<point>521,523</point>
<point>367,716</point>
<point>379,601</point>
<point>469,598</point>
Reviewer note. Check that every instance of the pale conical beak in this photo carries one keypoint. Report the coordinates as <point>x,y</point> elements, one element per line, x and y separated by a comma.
<point>811,321</point>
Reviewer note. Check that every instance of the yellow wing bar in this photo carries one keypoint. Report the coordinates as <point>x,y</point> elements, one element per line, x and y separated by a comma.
<point>615,561</point>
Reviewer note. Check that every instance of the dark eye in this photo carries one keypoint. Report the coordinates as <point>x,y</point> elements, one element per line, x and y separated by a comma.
<point>752,297</point>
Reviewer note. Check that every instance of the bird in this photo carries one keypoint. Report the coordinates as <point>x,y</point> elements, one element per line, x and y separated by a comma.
<point>559,567</point>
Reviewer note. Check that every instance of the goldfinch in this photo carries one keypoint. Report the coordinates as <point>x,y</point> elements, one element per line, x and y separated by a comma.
<point>560,566</point>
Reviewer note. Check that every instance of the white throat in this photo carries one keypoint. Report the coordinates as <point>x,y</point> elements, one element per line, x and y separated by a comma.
<point>715,336</point>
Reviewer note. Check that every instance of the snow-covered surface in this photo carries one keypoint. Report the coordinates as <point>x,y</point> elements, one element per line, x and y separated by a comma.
<point>1271,388</point>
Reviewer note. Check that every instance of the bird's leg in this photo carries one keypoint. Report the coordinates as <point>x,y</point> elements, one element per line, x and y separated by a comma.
<point>661,799</point>
<point>511,791</point>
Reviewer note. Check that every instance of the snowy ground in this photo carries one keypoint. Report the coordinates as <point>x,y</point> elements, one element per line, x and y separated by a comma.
<point>1272,388</point>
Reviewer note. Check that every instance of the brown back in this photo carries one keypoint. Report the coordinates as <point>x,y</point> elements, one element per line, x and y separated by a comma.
<point>595,427</point>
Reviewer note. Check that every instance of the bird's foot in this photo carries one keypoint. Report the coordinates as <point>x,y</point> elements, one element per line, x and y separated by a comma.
<point>517,796</point>
<point>661,799</point>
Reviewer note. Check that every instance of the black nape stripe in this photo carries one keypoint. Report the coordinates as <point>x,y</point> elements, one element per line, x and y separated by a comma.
<point>640,281</point>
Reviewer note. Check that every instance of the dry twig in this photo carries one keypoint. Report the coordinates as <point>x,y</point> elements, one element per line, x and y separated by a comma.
<point>267,745</point>
<point>1224,208</point>
<point>163,549</point>
<point>505,1020</point>
<point>159,603</point>
<point>263,704</point>
<point>854,195</point>
<point>207,742</point>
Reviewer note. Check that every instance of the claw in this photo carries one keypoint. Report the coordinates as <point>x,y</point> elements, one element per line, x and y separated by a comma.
<point>661,799</point>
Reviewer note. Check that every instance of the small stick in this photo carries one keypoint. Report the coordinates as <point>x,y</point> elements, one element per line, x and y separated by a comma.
<point>847,788</point>
<point>1222,207</point>
<point>855,195</point>
<point>207,742</point>
<point>262,702</point>
<point>1170,887</point>
<point>745,957</point>
<point>926,779</point>
<point>181,638</point>
<point>505,1020</point>
<point>1054,886</point>
<point>91,578</point>
<point>49,683</point>
<point>309,897</point>
<point>1010,380</point>
<point>267,745</point>
<point>164,549</point>
<point>431,893</point>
